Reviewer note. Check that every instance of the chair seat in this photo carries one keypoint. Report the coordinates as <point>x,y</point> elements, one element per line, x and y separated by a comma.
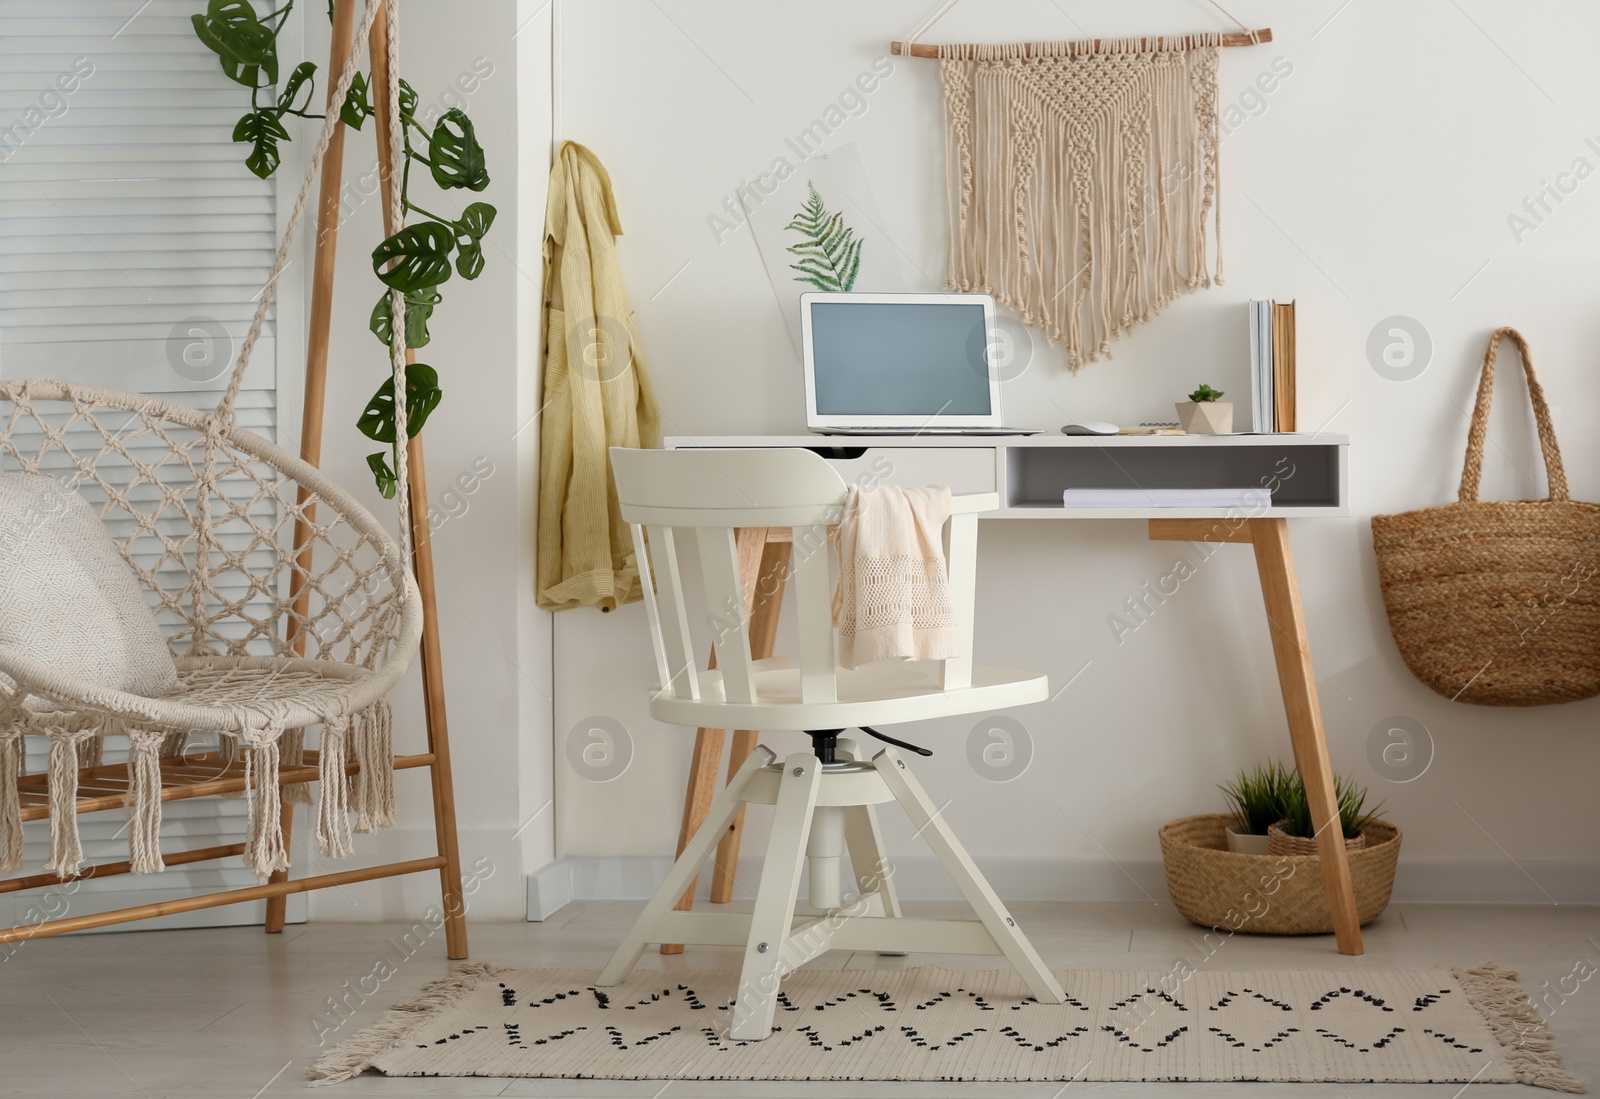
<point>884,693</point>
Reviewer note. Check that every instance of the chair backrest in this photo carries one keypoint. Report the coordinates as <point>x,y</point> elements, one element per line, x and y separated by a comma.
<point>709,494</point>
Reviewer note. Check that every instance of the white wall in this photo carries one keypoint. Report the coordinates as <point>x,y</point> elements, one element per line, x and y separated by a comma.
<point>484,348</point>
<point>1374,180</point>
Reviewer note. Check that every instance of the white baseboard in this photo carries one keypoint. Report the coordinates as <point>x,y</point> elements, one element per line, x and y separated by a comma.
<point>549,891</point>
<point>1418,881</point>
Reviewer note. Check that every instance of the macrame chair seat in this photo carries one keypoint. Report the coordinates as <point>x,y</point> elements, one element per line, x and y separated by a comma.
<point>285,603</point>
<point>205,513</point>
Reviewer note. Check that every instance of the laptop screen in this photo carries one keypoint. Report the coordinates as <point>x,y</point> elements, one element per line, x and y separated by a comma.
<point>899,358</point>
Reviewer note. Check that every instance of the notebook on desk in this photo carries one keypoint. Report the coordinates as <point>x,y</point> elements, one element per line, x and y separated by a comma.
<point>901,364</point>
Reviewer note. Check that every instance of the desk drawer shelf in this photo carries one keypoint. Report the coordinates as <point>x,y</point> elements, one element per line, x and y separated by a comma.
<point>1290,478</point>
<point>1030,471</point>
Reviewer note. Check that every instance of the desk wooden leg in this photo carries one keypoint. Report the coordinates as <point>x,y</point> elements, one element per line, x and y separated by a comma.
<point>1296,676</point>
<point>763,636</point>
<point>702,789</point>
<point>727,863</point>
<point>696,804</point>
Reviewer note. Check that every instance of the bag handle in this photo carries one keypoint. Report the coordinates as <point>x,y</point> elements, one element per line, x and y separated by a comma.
<point>1472,471</point>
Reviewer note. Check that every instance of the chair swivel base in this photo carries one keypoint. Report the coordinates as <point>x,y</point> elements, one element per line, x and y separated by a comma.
<point>817,808</point>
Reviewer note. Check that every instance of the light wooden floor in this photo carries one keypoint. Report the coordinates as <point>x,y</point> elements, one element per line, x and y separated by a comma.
<point>236,1013</point>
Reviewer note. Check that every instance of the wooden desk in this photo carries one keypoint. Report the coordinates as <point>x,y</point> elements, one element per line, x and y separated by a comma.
<point>1300,475</point>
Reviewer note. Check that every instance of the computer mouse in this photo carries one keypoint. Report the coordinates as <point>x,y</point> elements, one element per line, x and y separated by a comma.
<point>1090,427</point>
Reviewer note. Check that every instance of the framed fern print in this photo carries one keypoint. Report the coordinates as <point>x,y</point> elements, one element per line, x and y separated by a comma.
<point>818,227</point>
<point>829,251</point>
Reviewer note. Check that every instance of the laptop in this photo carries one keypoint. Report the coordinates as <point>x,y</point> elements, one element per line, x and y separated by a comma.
<point>901,364</point>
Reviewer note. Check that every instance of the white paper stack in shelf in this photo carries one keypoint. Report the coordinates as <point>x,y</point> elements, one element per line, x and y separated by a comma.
<point>1253,495</point>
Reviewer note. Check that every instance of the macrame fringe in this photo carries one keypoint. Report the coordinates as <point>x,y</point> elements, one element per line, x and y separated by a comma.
<point>11,756</point>
<point>355,1056</point>
<point>374,752</point>
<point>145,751</point>
<point>1081,180</point>
<point>66,847</point>
<point>1521,1030</point>
<point>293,754</point>
<point>264,850</point>
<point>174,745</point>
<point>91,751</point>
<point>227,755</point>
<point>333,805</point>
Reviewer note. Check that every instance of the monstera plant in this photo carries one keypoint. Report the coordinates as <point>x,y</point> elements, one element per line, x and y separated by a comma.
<point>417,259</point>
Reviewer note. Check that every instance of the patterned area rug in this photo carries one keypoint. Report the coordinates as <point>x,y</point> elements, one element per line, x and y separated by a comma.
<point>1419,1026</point>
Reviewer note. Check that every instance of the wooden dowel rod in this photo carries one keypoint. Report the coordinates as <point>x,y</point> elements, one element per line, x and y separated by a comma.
<point>287,776</point>
<point>343,14</point>
<point>317,339</point>
<point>1093,45</point>
<point>110,869</point>
<point>433,698</point>
<point>217,900</point>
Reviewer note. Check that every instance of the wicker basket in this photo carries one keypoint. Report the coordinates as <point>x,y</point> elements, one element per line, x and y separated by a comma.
<point>1280,842</point>
<point>1492,602</point>
<point>1268,894</point>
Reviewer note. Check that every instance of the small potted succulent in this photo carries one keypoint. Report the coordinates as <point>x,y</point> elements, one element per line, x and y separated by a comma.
<point>1258,799</point>
<point>1294,834</point>
<point>1205,413</point>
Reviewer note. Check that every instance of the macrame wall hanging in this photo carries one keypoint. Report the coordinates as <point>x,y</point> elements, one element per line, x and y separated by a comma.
<point>1081,177</point>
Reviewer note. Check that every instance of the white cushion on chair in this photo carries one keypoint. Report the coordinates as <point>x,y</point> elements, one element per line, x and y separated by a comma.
<point>67,597</point>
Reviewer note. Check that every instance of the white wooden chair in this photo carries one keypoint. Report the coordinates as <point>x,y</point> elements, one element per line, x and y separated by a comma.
<point>822,798</point>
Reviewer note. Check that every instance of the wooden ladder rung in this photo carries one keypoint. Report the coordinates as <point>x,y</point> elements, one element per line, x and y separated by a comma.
<point>105,786</point>
<point>107,869</point>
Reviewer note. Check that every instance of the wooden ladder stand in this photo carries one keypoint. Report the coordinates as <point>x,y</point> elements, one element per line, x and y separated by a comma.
<point>192,776</point>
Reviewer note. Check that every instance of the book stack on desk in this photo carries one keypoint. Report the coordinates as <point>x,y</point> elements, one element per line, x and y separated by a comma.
<point>1272,366</point>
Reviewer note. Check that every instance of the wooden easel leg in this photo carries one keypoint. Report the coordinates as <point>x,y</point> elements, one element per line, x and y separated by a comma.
<point>444,808</point>
<point>344,18</point>
<point>444,797</point>
<point>763,636</point>
<point>702,788</point>
<point>1297,677</point>
<point>278,907</point>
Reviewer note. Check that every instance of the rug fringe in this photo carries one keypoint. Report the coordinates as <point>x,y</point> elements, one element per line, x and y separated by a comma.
<point>355,1056</point>
<point>1529,1047</point>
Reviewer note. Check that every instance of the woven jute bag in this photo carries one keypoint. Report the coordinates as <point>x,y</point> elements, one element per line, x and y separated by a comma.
<point>1497,603</point>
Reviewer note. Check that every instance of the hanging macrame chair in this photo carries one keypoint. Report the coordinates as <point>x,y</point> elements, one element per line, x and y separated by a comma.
<point>287,605</point>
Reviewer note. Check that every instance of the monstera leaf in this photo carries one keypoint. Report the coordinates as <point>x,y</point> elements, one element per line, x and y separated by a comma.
<point>357,103</point>
<point>263,130</point>
<point>421,255</point>
<point>382,474</point>
<point>422,397</point>
<point>455,155</point>
<point>408,101</point>
<point>419,307</point>
<point>302,77</point>
<point>245,45</point>
<point>474,223</point>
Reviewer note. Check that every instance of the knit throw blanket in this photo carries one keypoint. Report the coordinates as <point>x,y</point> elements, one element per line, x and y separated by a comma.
<point>1081,178</point>
<point>893,596</point>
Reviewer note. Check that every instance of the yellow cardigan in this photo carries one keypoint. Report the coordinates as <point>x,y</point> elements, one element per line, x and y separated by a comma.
<point>597,394</point>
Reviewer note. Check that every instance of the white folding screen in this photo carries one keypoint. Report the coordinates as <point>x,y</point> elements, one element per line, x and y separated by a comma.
<point>134,245</point>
